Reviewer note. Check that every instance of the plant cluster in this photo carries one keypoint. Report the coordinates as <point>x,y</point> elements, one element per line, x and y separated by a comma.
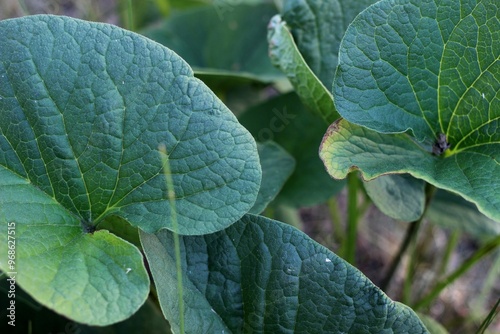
<point>143,174</point>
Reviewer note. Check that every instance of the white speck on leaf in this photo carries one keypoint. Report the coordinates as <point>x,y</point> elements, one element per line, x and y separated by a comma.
<point>327,260</point>
<point>128,270</point>
<point>484,97</point>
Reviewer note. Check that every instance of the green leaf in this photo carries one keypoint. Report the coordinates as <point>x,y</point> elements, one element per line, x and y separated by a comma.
<point>432,325</point>
<point>83,123</point>
<point>216,40</point>
<point>83,108</point>
<point>93,278</point>
<point>318,27</point>
<point>285,55</point>
<point>260,275</point>
<point>347,146</point>
<point>281,119</point>
<point>451,211</point>
<point>277,166</point>
<point>433,69</point>
<point>37,319</point>
<point>398,196</point>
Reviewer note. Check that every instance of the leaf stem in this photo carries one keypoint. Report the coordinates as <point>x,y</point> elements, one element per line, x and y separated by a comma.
<point>489,318</point>
<point>411,234</point>
<point>478,255</point>
<point>352,218</point>
<point>410,270</point>
<point>333,209</point>
<point>130,15</point>
<point>175,226</point>
<point>452,243</point>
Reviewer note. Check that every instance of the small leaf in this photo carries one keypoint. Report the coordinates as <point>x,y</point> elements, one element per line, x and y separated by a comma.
<point>285,55</point>
<point>451,211</point>
<point>277,166</point>
<point>260,275</point>
<point>281,119</point>
<point>347,146</point>
<point>216,40</point>
<point>432,325</point>
<point>398,196</point>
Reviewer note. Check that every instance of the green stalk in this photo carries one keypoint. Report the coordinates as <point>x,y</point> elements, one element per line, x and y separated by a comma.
<point>411,234</point>
<point>352,218</point>
<point>489,318</point>
<point>171,197</point>
<point>335,220</point>
<point>412,265</point>
<point>489,282</point>
<point>450,247</point>
<point>410,237</point>
<point>478,255</point>
<point>130,16</point>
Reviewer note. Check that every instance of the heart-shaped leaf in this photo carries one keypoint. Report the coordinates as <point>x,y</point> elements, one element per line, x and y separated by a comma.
<point>399,196</point>
<point>431,67</point>
<point>83,108</point>
<point>261,275</point>
<point>280,119</point>
<point>277,166</point>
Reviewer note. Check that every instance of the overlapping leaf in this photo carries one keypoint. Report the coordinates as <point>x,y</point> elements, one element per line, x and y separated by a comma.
<point>318,27</point>
<point>433,68</point>
<point>285,55</point>
<point>282,119</point>
<point>260,275</point>
<point>224,39</point>
<point>83,108</point>
<point>277,166</point>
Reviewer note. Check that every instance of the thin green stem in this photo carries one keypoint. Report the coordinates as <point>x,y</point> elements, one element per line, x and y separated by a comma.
<point>478,255</point>
<point>175,226</point>
<point>450,247</point>
<point>352,218</point>
<point>130,15</point>
<point>412,265</point>
<point>411,235</point>
<point>489,318</point>
<point>335,220</point>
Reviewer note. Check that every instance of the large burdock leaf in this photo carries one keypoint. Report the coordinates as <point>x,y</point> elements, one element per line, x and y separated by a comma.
<point>260,275</point>
<point>431,68</point>
<point>83,108</point>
